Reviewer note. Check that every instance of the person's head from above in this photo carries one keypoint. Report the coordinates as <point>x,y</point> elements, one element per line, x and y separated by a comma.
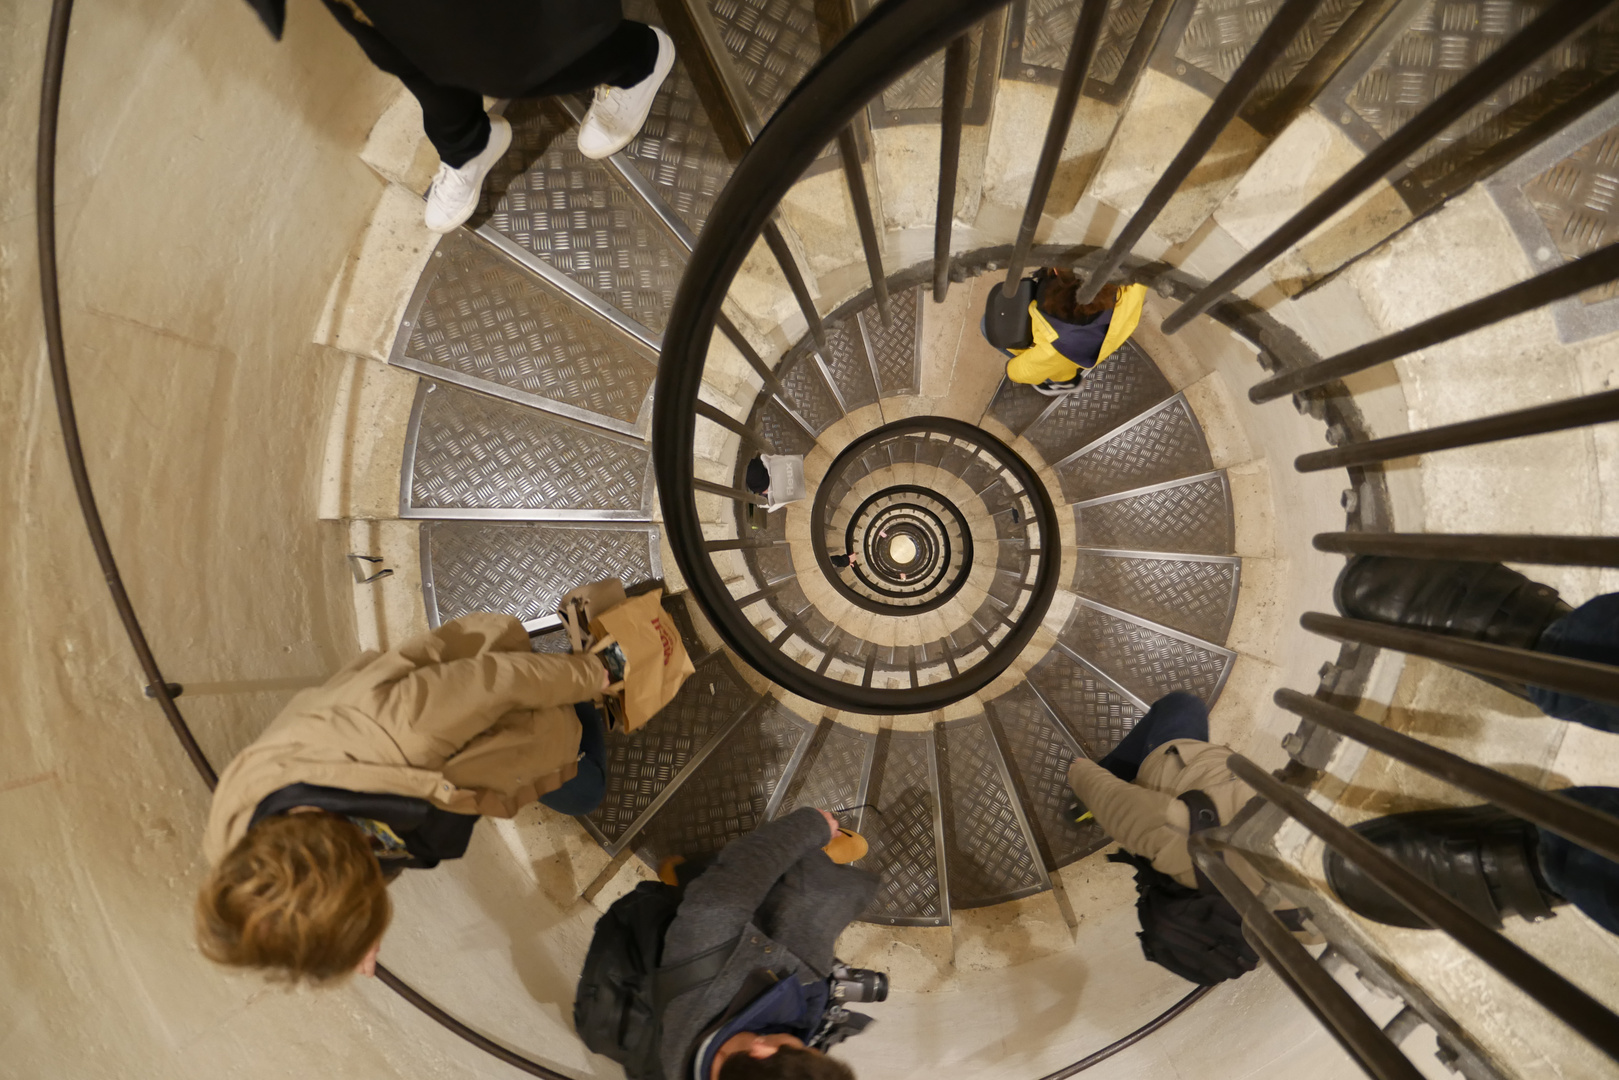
<point>300,898</point>
<point>746,1056</point>
<point>1060,290</point>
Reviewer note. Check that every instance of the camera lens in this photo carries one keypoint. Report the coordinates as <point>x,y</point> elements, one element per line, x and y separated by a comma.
<point>878,991</point>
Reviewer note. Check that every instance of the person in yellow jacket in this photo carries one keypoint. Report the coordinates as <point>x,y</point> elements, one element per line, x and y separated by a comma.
<point>1051,340</point>
<point>387,766</point>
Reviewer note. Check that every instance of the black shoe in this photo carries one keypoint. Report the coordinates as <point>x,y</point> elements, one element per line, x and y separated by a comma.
<point>1480,856</point>
<point>1478,601</point>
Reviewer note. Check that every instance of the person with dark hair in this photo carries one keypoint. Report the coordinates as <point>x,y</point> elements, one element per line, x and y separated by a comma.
<point>1487,860</point>
<point>776,1057</point>
<point>776,899</point>
<point>1050,338</point>
<point>844,560</point>
<point>386,767</point>
<point>451,55</point>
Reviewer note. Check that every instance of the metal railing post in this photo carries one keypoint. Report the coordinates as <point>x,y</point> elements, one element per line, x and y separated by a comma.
<point>950,124</point>
<point>1086,33</point>
<point>1283,28</point>
<point>1562,998</point>
<point>1588,271</point>
<point>1496,70</point>
<point>1542,419</point>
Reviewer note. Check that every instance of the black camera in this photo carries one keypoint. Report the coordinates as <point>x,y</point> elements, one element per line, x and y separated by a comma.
<point>858,984</point>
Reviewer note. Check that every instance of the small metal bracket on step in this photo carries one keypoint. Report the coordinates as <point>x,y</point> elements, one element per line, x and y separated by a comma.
<point>360,577</point>
<point>174,689</point>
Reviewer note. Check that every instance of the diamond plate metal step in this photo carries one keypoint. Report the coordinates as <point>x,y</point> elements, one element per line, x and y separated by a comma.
<point>1038,750</point>
<point>472,456</point>
<point>990,855</point>
<point>483,321</point>
<point>1420,52</point>
<point>1196,594</point>
<point>1145,658</point>
<point>1188,516</point>
<point>1093,709</point>
<point>646,767</point>
<point>1120,388</point>
<point>572,220</point>
<point>896,349</point>
<point>1164,443</point>
<point>526,569</point>
<point>835,774</point>
<point>732,791</point>
<point>907,833</point>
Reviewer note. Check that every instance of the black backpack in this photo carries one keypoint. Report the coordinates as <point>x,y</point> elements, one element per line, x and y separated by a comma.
<point>1195,933</point>
<point>618,1007</point>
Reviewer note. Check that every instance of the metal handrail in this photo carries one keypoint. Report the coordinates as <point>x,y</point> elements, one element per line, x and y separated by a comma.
<point>1567,1001</point>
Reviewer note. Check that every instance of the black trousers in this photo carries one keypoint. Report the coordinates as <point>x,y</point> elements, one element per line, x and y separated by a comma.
<point>453,117</point>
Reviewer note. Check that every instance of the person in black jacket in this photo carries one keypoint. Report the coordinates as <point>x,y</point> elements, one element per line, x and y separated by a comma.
<point>783,901</point>
<point>452,55</point>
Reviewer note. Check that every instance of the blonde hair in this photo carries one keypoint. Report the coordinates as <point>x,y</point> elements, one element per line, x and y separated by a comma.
<point>300,897</point>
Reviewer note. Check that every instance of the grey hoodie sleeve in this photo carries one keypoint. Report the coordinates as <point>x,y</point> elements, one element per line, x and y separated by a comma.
<point>721,902</point>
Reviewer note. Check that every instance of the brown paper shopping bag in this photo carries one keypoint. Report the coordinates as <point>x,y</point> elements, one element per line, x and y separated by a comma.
<point>585,604</point>
<point>655,660</point>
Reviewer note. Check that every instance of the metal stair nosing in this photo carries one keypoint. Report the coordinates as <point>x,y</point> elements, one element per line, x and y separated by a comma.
<point>399,356</point>
<point>694,763</point>
<point>1148,489</point>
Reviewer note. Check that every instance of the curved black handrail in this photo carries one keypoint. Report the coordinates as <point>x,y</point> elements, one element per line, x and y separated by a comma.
<point>891,40</point>
<point>159,689</point>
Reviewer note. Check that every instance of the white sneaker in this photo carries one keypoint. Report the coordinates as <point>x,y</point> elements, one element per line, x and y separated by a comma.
<point>454,194</point>
<point>618,112</point>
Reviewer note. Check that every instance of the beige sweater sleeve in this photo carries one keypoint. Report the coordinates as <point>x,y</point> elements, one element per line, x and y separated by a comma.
<point>460,699</point>
<point>1139,818</point>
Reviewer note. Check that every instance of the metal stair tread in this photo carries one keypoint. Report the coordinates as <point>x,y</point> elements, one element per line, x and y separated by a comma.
<point>473,456</point>
<point>482,321</point>
<point>576,216</point>
<point>1191,593</point>
<point>525,568</point>
<point>990,856</point>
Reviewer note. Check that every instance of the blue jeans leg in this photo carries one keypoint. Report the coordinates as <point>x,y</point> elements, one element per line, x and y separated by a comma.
<point>1177,715</point>
<point>1589,632</point>
<point>1581,876</point>
<point>586,790</point>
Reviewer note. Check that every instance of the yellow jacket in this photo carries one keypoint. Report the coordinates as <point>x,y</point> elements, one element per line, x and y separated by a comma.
<point>1042,360</point>
<point>465,716</point>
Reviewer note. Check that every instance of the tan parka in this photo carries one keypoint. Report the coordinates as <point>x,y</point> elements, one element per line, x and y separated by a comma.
<point>1148,819</point>
<point>465,716</point>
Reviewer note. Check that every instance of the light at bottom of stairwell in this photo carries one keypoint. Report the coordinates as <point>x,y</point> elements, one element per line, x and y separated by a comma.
<point>902,549</point>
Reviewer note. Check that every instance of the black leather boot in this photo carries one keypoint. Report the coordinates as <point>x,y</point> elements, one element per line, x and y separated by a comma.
<point>1479,601</point>
<point>1480,856</point>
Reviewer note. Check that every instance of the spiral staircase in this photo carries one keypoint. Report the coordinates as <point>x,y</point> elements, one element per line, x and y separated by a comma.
<point>1033,572</point>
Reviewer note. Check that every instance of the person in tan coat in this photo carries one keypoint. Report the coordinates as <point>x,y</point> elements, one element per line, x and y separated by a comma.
<point>1133,792</point>
<point>387,766</point>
